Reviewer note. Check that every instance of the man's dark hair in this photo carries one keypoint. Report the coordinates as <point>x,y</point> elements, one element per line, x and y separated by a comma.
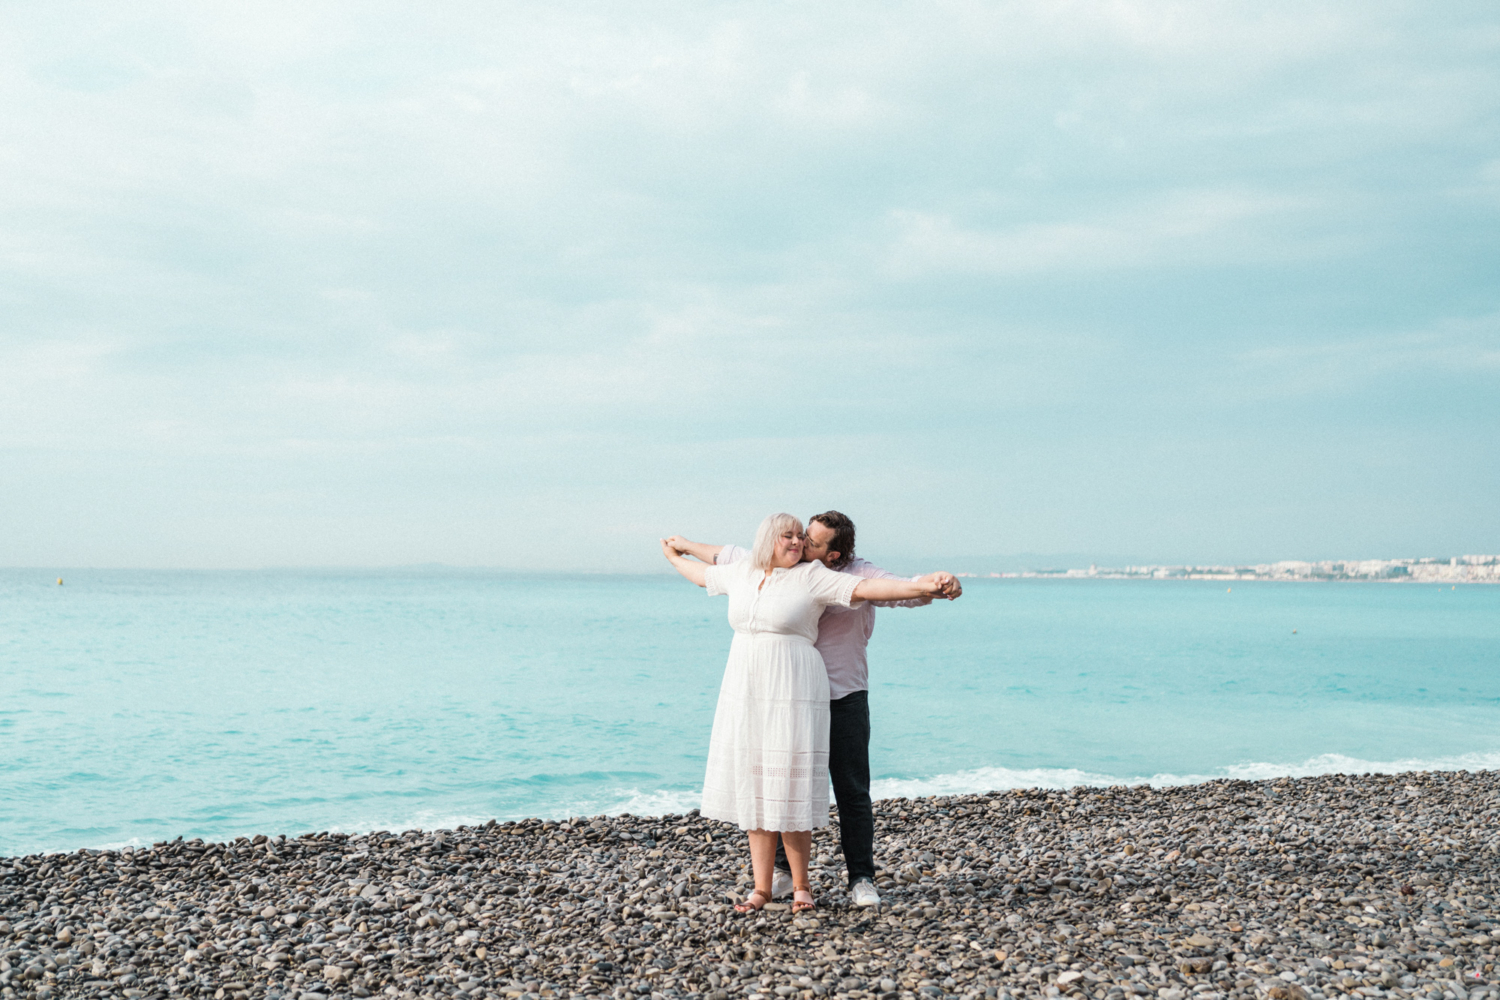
<point>843,536</point>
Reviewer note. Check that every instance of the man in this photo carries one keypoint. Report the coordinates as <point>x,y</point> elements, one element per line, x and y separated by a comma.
<point>843,635</point>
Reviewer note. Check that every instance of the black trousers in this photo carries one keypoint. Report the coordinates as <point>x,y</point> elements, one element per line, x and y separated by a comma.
<point>849,770</point>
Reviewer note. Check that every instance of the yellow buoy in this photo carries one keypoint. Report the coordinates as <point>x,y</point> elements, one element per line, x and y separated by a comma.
<point>59,581</point>
<point>1228,590</point>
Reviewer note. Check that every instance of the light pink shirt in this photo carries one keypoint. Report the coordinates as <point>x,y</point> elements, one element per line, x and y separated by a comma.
<point>843,633</point>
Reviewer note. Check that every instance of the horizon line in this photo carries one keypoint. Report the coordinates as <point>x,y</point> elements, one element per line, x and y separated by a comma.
<point>584,571</point>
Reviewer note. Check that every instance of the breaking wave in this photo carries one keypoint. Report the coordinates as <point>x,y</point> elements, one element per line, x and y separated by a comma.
<point>991,779</point>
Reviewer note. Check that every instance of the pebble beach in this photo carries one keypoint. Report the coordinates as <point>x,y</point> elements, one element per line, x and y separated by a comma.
<point>1338,886</point>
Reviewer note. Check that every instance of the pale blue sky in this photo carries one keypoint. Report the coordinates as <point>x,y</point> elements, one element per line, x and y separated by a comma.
<point>530,285</point>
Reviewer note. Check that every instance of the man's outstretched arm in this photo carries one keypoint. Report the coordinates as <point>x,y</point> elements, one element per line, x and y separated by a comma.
<point>950,588</point>
<point>698,550</point>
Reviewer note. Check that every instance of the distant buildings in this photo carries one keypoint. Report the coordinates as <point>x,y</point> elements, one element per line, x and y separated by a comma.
<point>1454,570</point>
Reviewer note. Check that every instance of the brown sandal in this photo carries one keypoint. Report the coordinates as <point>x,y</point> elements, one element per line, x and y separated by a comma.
<point>750,905</point>
<point>801,904</point>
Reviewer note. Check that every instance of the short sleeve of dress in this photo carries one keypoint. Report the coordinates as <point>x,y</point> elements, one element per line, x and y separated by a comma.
<point>716,580</point>
<point>731,554</point>
<point>830,586</point>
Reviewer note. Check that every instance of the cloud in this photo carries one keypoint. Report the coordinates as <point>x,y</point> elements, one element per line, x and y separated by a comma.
<point>1466,350</point>
<point>595,262</point>
<point>1182,229</point>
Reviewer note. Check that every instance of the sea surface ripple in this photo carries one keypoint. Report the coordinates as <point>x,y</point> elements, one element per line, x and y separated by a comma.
<point>144,705</point>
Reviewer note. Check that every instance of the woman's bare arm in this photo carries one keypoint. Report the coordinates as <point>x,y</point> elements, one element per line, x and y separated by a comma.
<point>897,590</point>
<point>698,550</point>
<point>694,571</point>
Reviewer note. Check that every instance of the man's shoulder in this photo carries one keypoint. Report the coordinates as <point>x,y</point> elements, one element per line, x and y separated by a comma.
<point>863,568</point>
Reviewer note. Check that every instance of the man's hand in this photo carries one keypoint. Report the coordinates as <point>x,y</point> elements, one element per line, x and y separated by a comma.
<point>948,585</point>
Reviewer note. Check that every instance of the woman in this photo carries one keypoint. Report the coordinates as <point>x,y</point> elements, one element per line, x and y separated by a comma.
<point>768,757</point>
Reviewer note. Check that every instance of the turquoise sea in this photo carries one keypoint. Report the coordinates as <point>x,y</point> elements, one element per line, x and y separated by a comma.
<point>137,706</point>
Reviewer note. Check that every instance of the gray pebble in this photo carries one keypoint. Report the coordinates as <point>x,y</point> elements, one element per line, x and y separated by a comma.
<point>1232,890</point>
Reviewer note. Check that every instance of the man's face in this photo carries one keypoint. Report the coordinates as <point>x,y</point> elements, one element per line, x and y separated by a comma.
<point>816,546</point>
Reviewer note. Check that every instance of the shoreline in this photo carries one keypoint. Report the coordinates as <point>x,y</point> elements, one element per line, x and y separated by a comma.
<point>1289,889</point>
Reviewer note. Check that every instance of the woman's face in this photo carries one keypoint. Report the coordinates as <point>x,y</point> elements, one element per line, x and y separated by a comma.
<point>788,548</point>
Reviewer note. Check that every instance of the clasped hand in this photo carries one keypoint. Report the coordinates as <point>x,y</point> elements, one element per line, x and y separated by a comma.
<point>947,586</point>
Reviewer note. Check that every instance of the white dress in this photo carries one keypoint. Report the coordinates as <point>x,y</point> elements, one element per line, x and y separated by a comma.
<point>768,756</point>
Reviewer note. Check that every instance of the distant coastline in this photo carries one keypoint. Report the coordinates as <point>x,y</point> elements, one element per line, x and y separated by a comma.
<point>1452,570</point>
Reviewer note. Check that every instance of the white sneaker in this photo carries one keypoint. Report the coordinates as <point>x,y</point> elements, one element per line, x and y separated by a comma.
<point>864,893</point>
<point>781,884</point>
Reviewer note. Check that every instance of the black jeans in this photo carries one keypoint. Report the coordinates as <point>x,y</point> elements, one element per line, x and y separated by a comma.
<point>849,769</point>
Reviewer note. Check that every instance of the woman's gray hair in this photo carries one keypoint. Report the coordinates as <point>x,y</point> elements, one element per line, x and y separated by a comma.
<point>765,538</point>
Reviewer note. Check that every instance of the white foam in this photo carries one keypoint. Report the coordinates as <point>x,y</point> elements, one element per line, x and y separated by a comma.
<point>426,820</point>
<point>1334,763</point>
<point>987,779</point>
<point>119,845</point>
<point>661,802</point>
<point>991,779</point>
<point>656,802</point>
<point>613,802</point>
